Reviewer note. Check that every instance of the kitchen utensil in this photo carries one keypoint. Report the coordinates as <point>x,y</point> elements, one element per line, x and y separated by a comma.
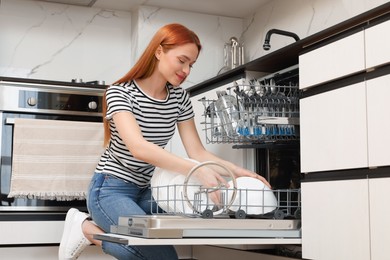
<point>228,109</point>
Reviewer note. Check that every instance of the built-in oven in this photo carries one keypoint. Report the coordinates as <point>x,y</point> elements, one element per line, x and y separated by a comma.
<point>47,100</point>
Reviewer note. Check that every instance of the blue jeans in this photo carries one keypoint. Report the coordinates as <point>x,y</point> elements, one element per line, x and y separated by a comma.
<point>108,199</point>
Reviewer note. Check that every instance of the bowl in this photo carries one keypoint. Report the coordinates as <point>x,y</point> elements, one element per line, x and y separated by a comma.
<point>253,196</point>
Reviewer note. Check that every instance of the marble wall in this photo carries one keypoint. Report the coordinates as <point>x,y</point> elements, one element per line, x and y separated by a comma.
<point>60,42</point>
<point>303,17</point>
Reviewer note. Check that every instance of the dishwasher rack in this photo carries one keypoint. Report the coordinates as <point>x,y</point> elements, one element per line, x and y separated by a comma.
<point>254,111</point>
<point>234,202</point>
<point>239,197</point>
<point>246,208</point>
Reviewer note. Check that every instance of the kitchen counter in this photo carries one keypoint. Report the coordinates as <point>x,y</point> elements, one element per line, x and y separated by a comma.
<point>288,56</point>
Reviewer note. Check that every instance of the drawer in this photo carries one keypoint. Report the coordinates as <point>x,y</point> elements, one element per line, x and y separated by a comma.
<point>377,45</point>
<point>332,61</point>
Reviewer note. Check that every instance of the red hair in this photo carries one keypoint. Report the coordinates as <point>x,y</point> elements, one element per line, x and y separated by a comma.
<point>168,36</point>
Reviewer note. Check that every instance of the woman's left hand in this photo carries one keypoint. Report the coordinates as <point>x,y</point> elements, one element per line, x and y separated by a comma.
<point>241,172</point>
<point>257,176</point>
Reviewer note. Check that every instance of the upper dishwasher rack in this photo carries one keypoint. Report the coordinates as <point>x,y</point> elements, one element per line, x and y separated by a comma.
<point>251,111</point>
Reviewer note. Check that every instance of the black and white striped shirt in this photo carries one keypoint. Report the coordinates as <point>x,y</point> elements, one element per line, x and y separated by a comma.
<point>157,120</point>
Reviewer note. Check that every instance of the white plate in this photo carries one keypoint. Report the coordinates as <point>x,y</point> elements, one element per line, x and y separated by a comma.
<point>193,195</point>
<point>168,192</point>
<point>253,196</point>
<point>160,189</point>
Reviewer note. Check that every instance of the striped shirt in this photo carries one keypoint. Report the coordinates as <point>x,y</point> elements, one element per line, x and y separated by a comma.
<point>157,120</point>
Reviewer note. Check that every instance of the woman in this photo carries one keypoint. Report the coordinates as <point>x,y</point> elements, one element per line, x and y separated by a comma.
<point>141,112</point>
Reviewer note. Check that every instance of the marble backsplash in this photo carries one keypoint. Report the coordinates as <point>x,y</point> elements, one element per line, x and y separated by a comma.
<point>61,42</point>
<point>303,17</point>
<point>43,40</point>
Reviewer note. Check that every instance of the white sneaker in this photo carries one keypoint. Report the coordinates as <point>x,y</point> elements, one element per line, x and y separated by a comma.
<point>73,241</point>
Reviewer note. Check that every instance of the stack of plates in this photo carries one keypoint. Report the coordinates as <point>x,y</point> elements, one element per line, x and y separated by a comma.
<point>252,195</point>
<point>168,192</point>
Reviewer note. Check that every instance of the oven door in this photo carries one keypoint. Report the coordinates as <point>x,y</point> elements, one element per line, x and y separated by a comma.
<point>22,209</point>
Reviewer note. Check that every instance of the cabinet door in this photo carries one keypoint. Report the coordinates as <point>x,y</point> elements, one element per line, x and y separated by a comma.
<point>335,220</point>
<point>333,130</point>
<point>335,60</point>
<point>377,44</point>
<point>378,93</point>
<point>379,218</point>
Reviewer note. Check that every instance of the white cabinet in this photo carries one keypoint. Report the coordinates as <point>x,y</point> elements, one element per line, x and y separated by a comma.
<point>332,61</point>
<point>360,51</point>
<point>335,220</point>
<point>347,219</point>
<point>343,129</point>
<point>378,93</point>
<point>346,128</point>
<point>333,130</point>
<point>377,40</point>
<point>379,218</point>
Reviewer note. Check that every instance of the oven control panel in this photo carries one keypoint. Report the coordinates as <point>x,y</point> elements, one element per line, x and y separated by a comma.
<point>30,98</point>
<point>59,101</point>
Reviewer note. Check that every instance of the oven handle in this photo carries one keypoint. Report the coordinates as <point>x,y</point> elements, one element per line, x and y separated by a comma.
<point>8,121</point>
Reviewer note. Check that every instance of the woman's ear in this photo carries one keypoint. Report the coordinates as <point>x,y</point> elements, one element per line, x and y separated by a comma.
<point>158,52</point>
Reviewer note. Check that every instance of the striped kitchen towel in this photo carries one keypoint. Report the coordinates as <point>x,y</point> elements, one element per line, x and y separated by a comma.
<point>54,159</point>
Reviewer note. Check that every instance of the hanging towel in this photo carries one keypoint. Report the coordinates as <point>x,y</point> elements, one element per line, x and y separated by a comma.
<point>54,159</point>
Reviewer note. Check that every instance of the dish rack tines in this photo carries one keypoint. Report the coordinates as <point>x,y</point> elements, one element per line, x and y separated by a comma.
<point>255,113</point>
<point>234,203</point>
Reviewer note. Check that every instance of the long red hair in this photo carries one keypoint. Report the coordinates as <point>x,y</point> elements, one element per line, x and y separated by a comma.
<point>168,36</point>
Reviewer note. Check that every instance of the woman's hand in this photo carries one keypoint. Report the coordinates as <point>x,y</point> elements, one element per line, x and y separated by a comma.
<point>241,172</point>
<point>211,179</point>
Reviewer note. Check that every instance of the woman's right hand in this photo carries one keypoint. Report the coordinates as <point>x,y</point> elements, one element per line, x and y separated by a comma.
<point>211,179</point>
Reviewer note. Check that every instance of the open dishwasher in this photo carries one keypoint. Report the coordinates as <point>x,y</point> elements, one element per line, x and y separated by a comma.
<point>183,209</point>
